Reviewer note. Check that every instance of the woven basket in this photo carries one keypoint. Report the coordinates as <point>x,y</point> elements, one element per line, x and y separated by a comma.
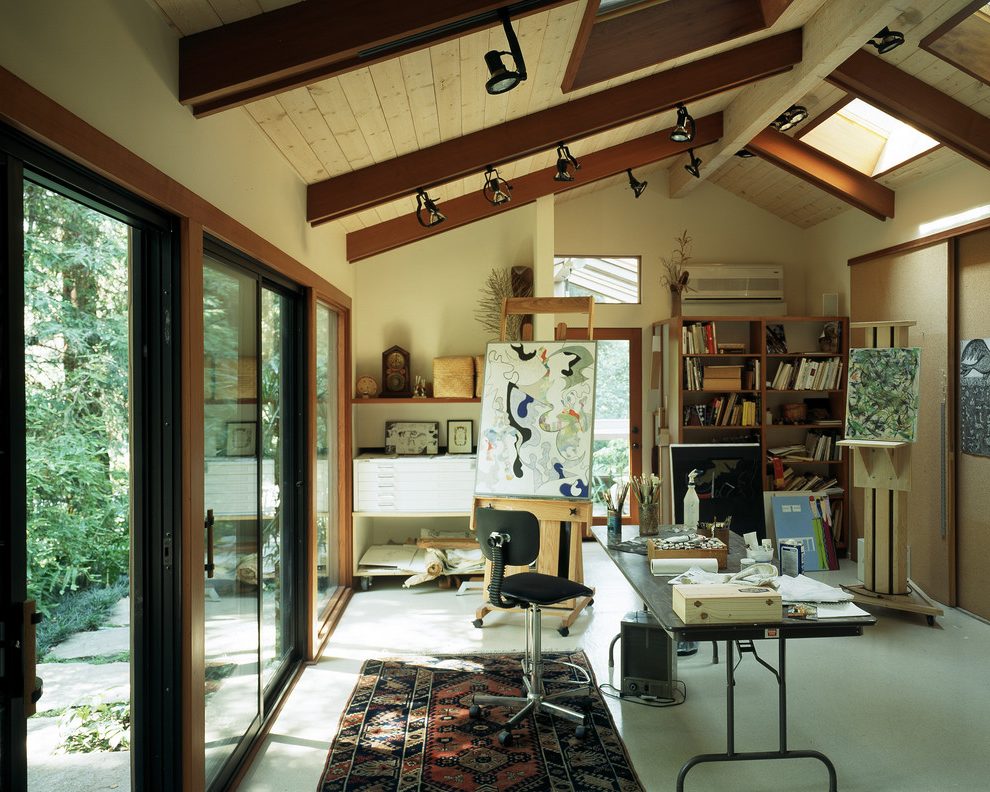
<point>479,375</point>
<point>453,377</point>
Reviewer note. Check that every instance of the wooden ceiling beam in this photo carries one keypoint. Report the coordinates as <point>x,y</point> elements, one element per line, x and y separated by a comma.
<point>537,132</point>
<point>824,172</point>
<point>469,208</point>
<point>833,33</point>
<point>309,41</point>
<point>915,102</point>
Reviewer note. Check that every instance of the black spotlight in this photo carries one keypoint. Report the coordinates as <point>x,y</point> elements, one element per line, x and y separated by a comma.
<point>790,118</point>
<point>503,79</point>
<point>426,210</point>
<point>683,131</point>
<point>565,159</point>
<point>694,168</point>
<point>886,40</point>
<point>745,154</point>
<point>496,189</point>
<point>635,184</point>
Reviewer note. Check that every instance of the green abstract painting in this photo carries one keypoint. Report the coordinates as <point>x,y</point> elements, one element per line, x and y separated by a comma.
<point>882,400</point>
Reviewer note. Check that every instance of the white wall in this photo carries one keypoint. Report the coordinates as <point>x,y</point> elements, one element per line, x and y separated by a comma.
<point>831,244</point>
<point>114,63</point>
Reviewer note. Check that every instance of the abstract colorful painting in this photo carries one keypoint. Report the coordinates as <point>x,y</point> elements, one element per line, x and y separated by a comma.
<point>882,400</point>
<point>974,396</point>
<point>537,419</point>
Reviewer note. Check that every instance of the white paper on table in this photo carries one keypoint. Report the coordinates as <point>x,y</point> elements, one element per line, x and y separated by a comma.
<point>805,589</point>
<point>839,610</point>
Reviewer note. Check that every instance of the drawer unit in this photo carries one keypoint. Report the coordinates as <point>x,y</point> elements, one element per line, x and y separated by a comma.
<point>413,484</point>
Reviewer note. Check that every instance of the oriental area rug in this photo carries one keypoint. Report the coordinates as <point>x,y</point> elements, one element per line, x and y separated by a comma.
<point>406,728</point>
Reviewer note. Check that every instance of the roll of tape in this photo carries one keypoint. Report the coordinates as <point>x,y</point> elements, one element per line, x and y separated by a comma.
<point>674,566</point>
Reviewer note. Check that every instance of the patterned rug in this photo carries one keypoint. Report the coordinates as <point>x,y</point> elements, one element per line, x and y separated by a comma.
<point>407,729</point>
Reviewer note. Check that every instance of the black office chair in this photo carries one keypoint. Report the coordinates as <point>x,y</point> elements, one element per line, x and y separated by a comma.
<point>512,538</point>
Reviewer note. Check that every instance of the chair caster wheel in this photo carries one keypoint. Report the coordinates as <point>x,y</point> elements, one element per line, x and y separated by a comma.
<point>478,623</point>
<point>931,621</point>
<point>505,738</point>
<point>474,711</point>
<point>581,732</point>
<point>564,631</point>
<point>590,603</point>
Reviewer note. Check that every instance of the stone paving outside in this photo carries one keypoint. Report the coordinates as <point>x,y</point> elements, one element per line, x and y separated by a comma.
<point>70,683</point>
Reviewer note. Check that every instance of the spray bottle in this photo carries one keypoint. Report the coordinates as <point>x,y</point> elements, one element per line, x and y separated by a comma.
<point>691,507</point>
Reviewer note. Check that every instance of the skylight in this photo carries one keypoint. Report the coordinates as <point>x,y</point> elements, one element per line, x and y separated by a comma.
<point>609,280</point>
<point>868,139</point>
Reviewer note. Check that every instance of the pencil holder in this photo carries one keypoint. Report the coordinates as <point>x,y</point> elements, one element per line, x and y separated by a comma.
<point>649,519</point>
<point>613,523</point>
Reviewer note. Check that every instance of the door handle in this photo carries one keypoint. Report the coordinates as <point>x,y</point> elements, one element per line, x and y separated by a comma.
<point>20,656</point>
<point>29,650</point>
<point>210,566</point>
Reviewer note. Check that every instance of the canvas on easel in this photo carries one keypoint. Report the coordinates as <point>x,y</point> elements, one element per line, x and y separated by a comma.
<point>537,419</point>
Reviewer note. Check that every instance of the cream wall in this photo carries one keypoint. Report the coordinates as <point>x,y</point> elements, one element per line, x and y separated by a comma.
<point>831,244</point>
<point>114,63</point>
<point>422,297</point>
<point>724,229</point>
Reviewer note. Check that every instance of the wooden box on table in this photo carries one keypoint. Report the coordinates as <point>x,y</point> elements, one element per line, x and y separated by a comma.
<point>725,603</point>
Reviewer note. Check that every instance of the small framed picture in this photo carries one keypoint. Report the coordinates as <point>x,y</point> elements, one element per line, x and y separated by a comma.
<point>241,438</point>
<point>460,437</point>
<point>412,437</point>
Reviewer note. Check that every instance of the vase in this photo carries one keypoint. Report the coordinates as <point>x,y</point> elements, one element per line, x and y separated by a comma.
<point>675,303</point>
<point>649,519</point>
<point>613,524</point>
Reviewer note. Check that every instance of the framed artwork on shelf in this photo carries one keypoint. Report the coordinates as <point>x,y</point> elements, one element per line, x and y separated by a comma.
<point>460,437</point>
<point>241,438</point>
<point>412,437</point>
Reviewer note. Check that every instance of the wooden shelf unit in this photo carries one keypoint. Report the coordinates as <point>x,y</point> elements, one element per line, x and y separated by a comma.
<point>802,342</point>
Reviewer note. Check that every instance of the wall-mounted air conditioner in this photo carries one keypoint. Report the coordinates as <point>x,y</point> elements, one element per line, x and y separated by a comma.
<point>710,282</point>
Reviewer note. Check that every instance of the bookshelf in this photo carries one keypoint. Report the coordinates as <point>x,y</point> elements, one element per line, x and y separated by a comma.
<point>766,380</point>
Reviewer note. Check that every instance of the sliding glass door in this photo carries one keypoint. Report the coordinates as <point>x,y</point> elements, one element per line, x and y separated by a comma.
<point>253,496</point>
<point>87,490</point>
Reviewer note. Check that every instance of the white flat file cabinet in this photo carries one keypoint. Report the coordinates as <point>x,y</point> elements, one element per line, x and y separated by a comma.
<point>398,500</point>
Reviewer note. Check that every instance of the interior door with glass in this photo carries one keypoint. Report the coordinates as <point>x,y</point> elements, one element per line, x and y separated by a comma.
<point>252,476</point>
<point>617,448</point>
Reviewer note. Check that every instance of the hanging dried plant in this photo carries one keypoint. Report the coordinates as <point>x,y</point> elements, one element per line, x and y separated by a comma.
<point>675,275</point>
<point>498,286</point>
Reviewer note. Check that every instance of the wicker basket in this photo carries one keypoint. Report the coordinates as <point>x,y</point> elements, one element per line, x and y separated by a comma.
<point>479,375</point>
<point>453,377</point>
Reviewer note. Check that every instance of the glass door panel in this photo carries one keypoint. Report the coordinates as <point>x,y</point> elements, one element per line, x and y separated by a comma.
<point>77,415</point>
<point>232,478</point>
<point>327,576</point>
<point>276,589</point>
<point>611,458</point>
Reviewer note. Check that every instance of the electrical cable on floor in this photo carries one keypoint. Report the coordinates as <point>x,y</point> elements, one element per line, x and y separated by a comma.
<point>646,701</point>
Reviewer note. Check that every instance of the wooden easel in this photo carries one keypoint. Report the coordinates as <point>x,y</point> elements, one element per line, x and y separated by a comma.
<point>882,470</point>
<point>553,560</point>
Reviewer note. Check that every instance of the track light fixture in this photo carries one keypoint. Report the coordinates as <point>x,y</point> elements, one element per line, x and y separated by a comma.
<point>886,40</point>
<point>683,131</point>
<point>790,118</point>
<point>496,189</point>
<point>565,159</point>
<point>635,184</point>
<point>503,79</point>
<point>427,212</point>
<point>694,168</point>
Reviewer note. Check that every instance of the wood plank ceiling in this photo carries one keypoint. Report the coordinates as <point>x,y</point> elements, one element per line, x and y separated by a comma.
<point>373,118</point>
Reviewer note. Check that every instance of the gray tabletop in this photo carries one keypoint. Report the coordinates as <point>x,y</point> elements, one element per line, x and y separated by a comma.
<point>656,593</point>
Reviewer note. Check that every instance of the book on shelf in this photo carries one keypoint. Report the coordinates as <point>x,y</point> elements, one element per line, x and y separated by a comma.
<point>808,374</point>
<point>731,347</point>
<point>726,409</point>
<point>699,338</point>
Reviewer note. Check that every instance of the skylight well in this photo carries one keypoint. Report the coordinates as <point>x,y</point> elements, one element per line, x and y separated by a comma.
<point>868,139</point>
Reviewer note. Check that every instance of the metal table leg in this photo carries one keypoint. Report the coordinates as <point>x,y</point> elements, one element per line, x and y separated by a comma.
<point>731,755</point>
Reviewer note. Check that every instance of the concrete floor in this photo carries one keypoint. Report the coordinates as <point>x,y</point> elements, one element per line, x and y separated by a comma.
<point>903,708</point>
